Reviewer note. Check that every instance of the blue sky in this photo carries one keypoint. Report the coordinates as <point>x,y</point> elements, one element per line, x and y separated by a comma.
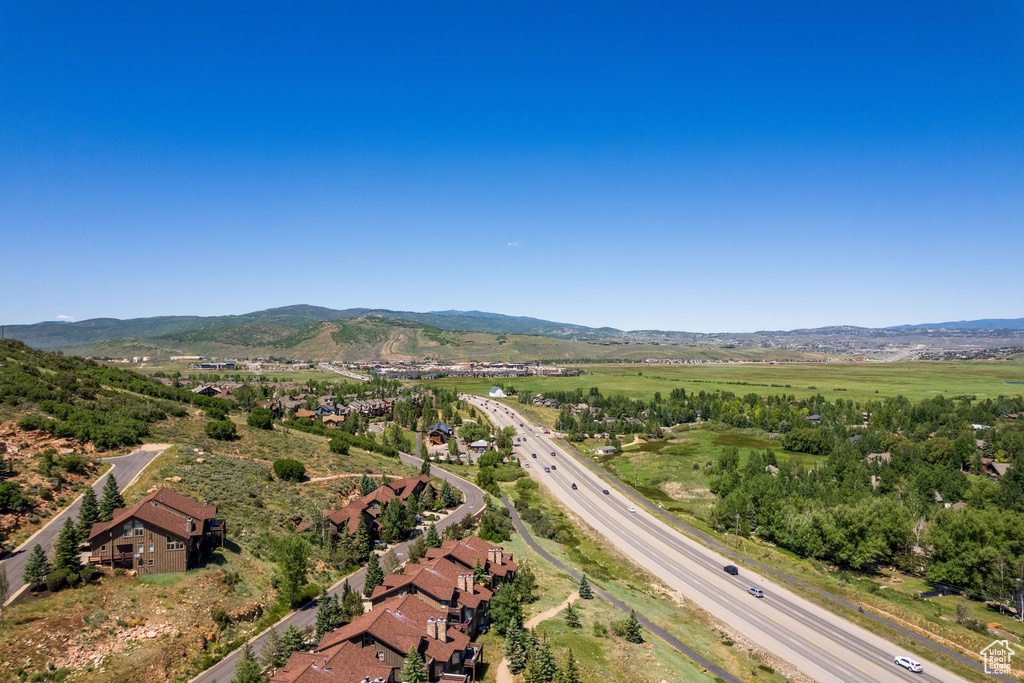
<point>696,166</point>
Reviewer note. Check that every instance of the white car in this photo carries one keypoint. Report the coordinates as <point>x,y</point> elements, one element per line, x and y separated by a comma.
<point>631,508</point>
<point>909,664</point>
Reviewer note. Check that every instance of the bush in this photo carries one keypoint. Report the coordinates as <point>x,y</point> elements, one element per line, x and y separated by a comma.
<point>73,464</point>
<point>36,422</point>
<point>11,497</point>
<point>600,630</point>
<point>221,618</point>
<point>261,418</point>
<point>56,580</point>
<point>74,578</point>
<point>87,574</point>
<point>289,469</point>
<point>222,430</point>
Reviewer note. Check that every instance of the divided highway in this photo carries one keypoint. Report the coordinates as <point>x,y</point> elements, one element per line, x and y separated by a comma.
<point>820,644</point>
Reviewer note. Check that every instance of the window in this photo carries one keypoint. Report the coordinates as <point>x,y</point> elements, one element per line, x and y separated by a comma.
<point>170,544</point>
<point>128,529</point>
<point>138,528</point>
<point>150,549</point>
<point>103,548</point>
<point>179,545</point>
<point>142,549</point>
<point>149,563</point>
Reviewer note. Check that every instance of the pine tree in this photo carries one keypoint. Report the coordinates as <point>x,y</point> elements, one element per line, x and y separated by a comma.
<point>326,615</point>
<point>633,633</point>
<point>5,589</point>
<point>248,669</point>
<point>515,649</point>
<point>428,497</point>
<point>570,673</point>
<point>293,640</point>
<point>572,616</point>
<point>585,592</point>
<point>351,603</point>
<point>448,496</point>
<point>374,575</point>
<point>362,539</point>
<point>480,574</point>
<point>65,551</point>
<point>37,567</point>
<point>385,480</point>
<point>111,500</point>
<point>425,467</point>
<point>417,549</point>
<point>413,668</point>
<point>88,514</point>
<point>433,540</point>
<point>273,655</point>
<point>453,448</point>
<point>367,485</point>
<point>546,660</point>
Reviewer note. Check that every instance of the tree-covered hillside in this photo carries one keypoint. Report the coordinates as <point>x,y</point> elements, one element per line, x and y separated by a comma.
<point>75,398</point>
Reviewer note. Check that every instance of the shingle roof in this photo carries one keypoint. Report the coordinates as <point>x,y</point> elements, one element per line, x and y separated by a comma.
<point>401,624</point>
<point>344,663</point>
<point>164,509</point>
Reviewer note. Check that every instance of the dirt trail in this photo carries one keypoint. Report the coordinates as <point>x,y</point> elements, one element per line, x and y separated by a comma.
<point>504,675</point>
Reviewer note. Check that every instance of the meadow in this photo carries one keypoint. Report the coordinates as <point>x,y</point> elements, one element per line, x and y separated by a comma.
<point>847,380</point>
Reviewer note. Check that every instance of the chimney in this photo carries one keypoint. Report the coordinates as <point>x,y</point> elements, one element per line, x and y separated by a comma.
<point>431,629</point>
<point>465,583</point>
<point>441,626</point>
<point>496,555</point>
<point>189,526</point>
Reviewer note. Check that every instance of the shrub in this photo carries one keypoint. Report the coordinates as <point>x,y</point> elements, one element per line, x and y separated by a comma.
<point>222,430</point>
<point>74,578</point>
<point>56,580</point>
<point>221,618</point>
<point>289,469</point>
<point>11,497</point>
<point>74,464</point>
<point>87,574</point>
<point>36,422</point>
<point>600,630</point>
<point>261,418</point>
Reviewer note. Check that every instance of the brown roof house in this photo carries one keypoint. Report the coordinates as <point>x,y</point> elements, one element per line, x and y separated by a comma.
<point>163,532</point>
<point>370,505</point>
<point>444,585</point>
<point>348,662</point>
<point>403,623</point>
<point>473,549</point>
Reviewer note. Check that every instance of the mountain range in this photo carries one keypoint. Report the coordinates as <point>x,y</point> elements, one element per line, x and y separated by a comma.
<point>304,331</point>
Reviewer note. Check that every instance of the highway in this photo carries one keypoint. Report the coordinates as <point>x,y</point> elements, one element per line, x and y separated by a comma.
<point>820,644</point>
<point>125,468</point>
<point>473,503</point>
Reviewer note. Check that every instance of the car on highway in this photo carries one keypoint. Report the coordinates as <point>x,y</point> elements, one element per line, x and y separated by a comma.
<point>631,508</point>
<point>526,465</point>
<point>605,492</point>
<point>547,469</point>
<point>553,454</point>
<point>574,487</point>
<point>731,569</point>
<point>756,592</point>
<point>547,431</point>
<point>553,467</point>
<point>534,455</point>
<point>909,664</point>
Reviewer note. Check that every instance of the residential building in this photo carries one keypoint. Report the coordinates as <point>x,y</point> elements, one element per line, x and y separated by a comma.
<point>163,532</point>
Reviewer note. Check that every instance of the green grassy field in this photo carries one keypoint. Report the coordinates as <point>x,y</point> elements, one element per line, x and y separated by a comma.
<point>856,381</point>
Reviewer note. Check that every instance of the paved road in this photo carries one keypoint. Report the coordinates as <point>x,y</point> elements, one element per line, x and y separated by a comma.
<point>224,670</point>
<point>125,468</point>
<point>820,644</point>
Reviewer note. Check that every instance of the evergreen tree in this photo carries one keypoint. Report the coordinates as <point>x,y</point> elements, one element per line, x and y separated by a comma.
<point>432,539</point>
<point>248,669</point>
<point>5,589</point>
<point>88,514</point>
<point>37,567</point>
<point>515,649</point>
<point>367,485</point>
<point>480,574</point>
<point>585,592</point>
<point>273,654</point>
<point>293,640</point>
<point>633,633</point>
<point>111,500</point>
<point>362,541</point>
<point>413,668</point>
<point>293,565</point>
<point>428,497</point>
<point>453,448</point>
<point>413,506</point>
<point>505,608</point>
<point>65,551</point>
<point>351,603</point>
<point>385,480</point>
<point>570,673</point>
<point>572,616</point>
<point>448,496</point>
<point>326,615</point>
<point>374,575</point>
<point>425,467</point>
<point>543,655</point>
<point>417,549</point>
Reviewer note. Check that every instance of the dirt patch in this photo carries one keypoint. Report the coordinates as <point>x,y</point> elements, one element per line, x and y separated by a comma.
<point>677,491</point>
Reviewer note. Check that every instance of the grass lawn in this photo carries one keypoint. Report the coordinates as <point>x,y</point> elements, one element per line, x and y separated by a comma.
<point>855,381</point>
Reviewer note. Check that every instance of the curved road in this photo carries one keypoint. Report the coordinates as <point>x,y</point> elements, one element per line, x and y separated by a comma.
<point>224,670</point>
<point>820,644</point>
<point>126,468</point>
